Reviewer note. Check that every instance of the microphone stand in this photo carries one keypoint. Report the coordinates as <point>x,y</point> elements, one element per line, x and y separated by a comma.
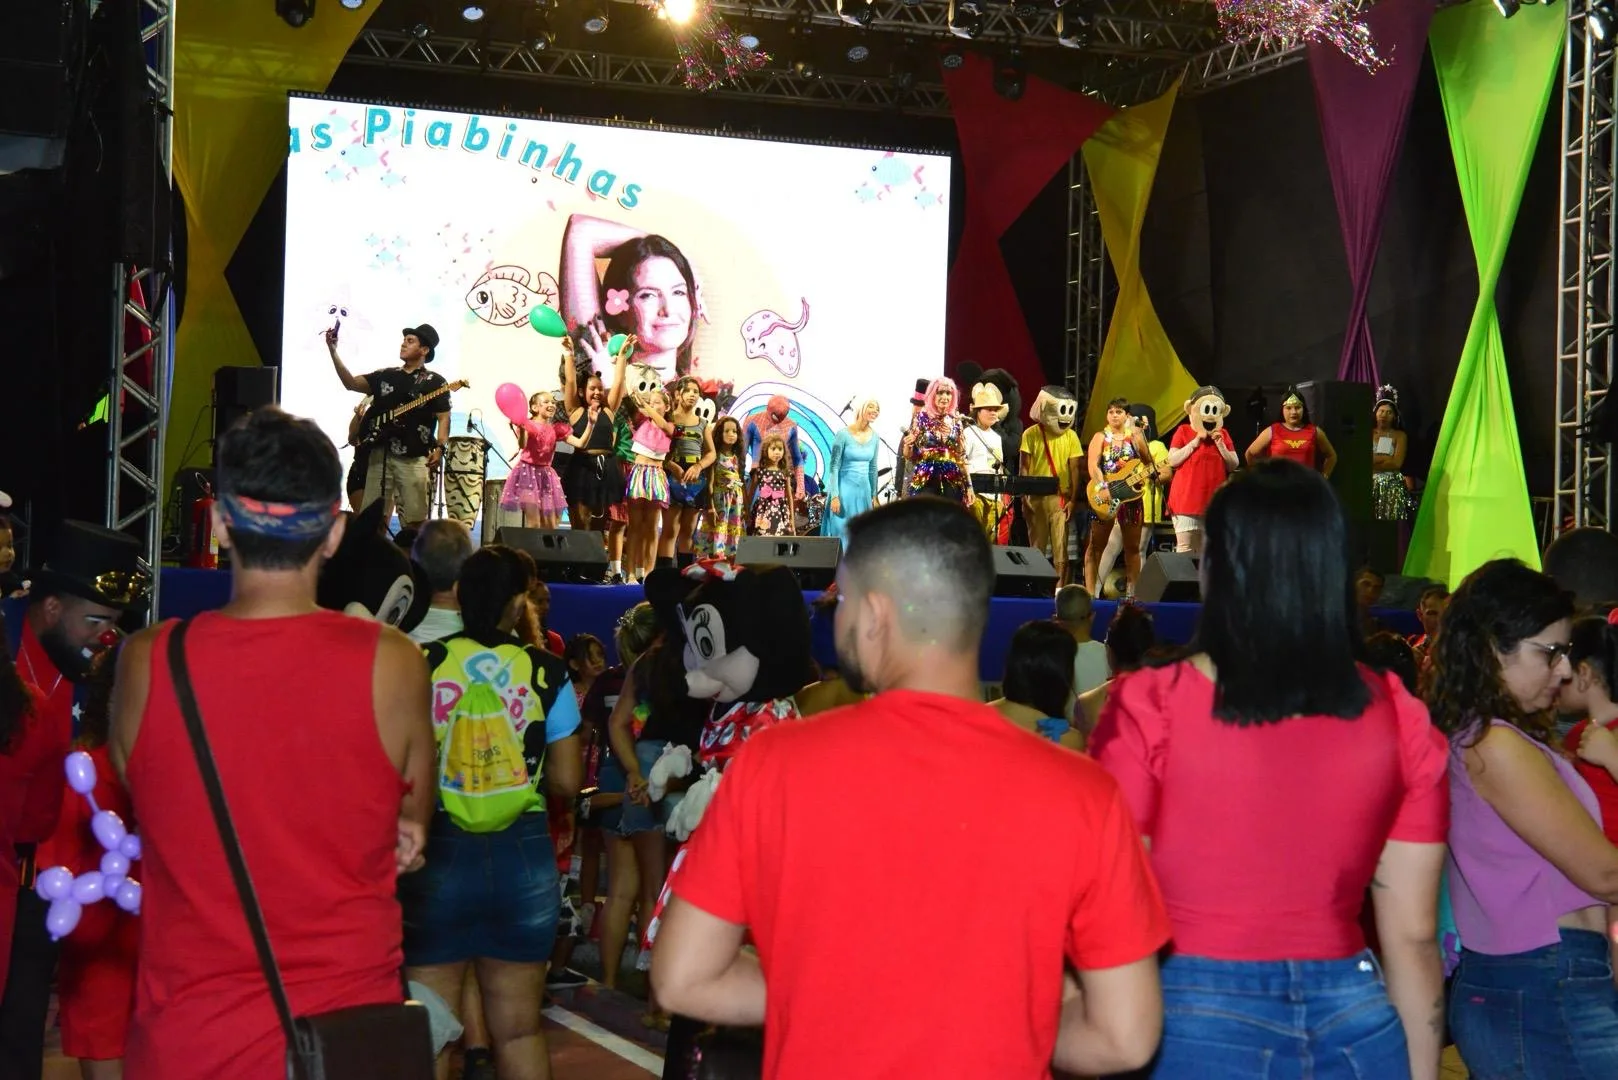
<point>477,428</point>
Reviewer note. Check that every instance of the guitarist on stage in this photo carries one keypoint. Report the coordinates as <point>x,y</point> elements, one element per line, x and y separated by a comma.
<point>1120,466</point>
<point>400,457</point>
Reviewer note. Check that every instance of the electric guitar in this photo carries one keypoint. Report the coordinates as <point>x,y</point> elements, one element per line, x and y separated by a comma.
<point>1127,485</point>
<point>375,423</point>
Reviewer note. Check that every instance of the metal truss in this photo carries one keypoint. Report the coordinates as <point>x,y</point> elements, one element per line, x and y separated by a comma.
<point>1088,304</point>
<point>137,413</point>
<point>1584,317</point>
<point>1157,27</point>
<point>397,49</point>
<point>1223,65</point>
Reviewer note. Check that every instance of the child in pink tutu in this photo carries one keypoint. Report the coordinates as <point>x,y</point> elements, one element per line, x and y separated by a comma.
<point>533,485</point>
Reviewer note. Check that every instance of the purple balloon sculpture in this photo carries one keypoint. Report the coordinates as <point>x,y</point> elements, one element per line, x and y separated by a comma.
<point>68,894</point>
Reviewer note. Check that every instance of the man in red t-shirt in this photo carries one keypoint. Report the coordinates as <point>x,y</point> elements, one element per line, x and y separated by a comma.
<point>1201,455</point>
<point>851,851</point>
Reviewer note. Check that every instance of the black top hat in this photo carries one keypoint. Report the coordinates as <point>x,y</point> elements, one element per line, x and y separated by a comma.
<point>426,335</point>
<point>95,564</point>
<point>920,396</point>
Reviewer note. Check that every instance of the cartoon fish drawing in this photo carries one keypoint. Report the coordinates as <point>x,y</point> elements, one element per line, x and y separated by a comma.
<point>891,171</point>
<point>504,295</point>
<point>926,198</point>
<point>768,336</point>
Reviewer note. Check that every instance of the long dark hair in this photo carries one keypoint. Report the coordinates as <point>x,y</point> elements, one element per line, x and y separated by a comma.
<point>490,577</point>
<point>1595,642</point>
<point>1039,667</point>
<point>16,703</point>
<point>1131,636</point>
<point>620,274</point>
<point>1278,616</point>
<point>1499,605</point>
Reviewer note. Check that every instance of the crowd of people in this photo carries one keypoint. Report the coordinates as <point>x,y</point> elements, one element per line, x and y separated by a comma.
<point>1299,845</point>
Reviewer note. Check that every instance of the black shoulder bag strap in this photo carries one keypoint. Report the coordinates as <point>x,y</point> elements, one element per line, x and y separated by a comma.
<point>180,673</point>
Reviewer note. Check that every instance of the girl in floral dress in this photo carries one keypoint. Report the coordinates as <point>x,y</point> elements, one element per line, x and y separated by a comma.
<point>769,490</point>
<point>724,522</point>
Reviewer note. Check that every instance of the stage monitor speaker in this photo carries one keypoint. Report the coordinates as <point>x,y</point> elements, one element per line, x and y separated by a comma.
<point>812,559</point>
<point>570,555</point>
<point>1343,411</point>
<point>237,391</point>
<point>1169,577</point>
<point>1023,572</point>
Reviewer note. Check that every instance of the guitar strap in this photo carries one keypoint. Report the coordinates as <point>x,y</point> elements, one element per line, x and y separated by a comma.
<point>1050,459</point>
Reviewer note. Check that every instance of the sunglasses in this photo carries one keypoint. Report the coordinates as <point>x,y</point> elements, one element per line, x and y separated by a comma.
<point>1553,653</point>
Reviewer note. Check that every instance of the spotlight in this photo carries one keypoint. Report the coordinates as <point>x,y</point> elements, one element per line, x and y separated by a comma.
<point>1072,29</point>
<point>1025,9</point>
<point>1600,19</point>
<point>472,13</point>
<point>966,21</point>
<point>1011,76</point>
<point>595,19</point>
<point>748,40</point>
<point>858,54</point>
<point>352,5</point>
<point>856,12</point>
<point>805,68</point>
<point>537,32</point>
<point>952,59</point>
<point>902,70</point>
<point>678,12</point>
<point>295,12</point>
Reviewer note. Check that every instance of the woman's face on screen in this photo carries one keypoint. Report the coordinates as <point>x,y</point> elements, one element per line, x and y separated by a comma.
<point>661,304</point>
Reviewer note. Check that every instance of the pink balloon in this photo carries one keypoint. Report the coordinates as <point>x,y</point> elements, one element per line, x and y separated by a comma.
<point>62,917</point>
<point>128,896</point>
<point>108,828</point>
<point>81,772</point>
<point>512,402</point>
<point>87,887</point>
<point>55,883</point>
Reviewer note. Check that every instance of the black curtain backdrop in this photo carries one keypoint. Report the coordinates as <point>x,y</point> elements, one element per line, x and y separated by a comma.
<point>1243,256</point>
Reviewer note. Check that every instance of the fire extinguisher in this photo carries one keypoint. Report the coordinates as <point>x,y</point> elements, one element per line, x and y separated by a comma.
<point>204,553</point>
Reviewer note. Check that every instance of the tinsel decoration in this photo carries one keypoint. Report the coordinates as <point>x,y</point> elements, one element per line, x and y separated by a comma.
<point>1296,22</point>
<point>711,52</point>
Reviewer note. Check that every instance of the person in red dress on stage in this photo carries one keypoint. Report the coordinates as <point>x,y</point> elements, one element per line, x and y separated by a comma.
<point>1201,455</point>
<point>91,577</point>
<point>1295,437</point>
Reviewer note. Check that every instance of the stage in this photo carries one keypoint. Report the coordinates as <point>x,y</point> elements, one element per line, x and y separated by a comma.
<point>594,609</point>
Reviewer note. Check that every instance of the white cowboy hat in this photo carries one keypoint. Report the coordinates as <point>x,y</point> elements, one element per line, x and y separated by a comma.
<point>987,396</point>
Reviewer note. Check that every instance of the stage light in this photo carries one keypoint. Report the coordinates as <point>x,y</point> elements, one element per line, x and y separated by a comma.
<point>595,19</point>
<point>952,59</point>
<point>537,32</point>
<point>1600,19</point>
<point>1011,76</point>
<point>748,40</point>
<point>472,13</point>
<point>805,68</point>
<point>856,12</point>
<point>352,5</point>
<point>902,71</point>
<point>421,31</point>
<point>858,54</point>
<point>678,12</point>
<point>966,21</point>
<point>1025,9</point>
<point>1072,29</point>
<point>295,12</point>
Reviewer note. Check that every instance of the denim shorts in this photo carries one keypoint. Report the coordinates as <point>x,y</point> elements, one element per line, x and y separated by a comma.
<point>627,818</point>
<point>1278,1020</point>
<point>1549,1012</point>
<point>493,896</point>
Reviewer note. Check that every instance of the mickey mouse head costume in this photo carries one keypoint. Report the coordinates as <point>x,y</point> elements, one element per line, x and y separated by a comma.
<point>1202,456</point>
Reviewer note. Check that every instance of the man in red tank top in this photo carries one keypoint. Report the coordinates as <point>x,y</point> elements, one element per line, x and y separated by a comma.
<point>319,726</point>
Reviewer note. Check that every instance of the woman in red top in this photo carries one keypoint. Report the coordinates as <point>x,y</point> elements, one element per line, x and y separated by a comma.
<point>1275,779</point>
<point>1594,658</point>
<point>1295,438</point>
<point>31,786</point>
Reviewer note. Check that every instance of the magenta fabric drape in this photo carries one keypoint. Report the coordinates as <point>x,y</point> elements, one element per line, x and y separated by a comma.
<point>1362,124</point>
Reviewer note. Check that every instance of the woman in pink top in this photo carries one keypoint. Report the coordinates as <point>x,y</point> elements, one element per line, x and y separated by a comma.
<point>1530,873</point>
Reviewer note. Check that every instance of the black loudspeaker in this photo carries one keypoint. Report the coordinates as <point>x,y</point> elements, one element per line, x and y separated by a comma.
<point>37,55</point>
<point>812,559</point>
<point>1169,577</point>
<point>237,391</point>
<point>1343,411</point>
<point>1024,572</point>
<point>562,554</point>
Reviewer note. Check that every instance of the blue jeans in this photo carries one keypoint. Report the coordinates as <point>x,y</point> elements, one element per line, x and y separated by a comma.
<point>1278,1020</point>
<point>1545,1014</point>
<point>627,818</point>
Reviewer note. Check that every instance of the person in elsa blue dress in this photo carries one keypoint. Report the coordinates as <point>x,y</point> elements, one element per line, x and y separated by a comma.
<point>851,477</point>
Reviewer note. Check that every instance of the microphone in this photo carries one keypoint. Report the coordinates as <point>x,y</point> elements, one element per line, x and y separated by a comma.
<point>847,408</point>
<point>470,430</point>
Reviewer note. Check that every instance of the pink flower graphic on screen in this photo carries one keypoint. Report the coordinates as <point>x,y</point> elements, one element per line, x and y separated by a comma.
<point>617,301</point>
<point>768,335</point>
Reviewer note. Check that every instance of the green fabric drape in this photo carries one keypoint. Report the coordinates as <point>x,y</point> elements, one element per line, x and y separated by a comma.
<point>1496,78</point>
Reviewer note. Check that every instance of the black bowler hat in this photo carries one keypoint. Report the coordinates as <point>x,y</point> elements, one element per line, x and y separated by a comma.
<point>95,564</point>
<point>424,334</point>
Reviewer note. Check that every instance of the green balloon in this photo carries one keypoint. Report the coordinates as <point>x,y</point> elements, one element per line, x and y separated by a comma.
<point>615,345</point>
<point>546,321</point>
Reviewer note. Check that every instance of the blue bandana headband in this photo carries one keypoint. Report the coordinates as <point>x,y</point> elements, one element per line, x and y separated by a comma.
<point>283,521</point>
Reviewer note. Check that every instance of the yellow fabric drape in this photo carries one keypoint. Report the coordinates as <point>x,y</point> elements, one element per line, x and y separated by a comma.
<point>234,63</point>
<point>1137,362</point>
